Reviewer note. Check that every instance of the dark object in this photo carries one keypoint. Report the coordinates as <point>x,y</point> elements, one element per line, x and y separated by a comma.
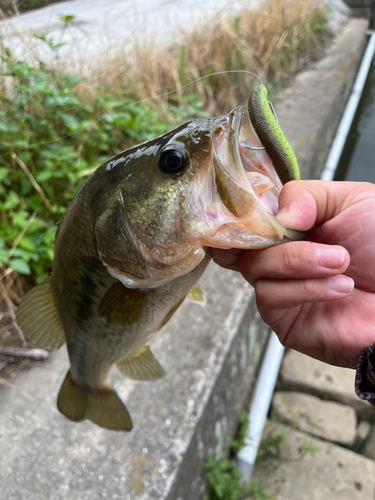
<point>172,161</point>
<point>8,6</point>
<point>365,376</point>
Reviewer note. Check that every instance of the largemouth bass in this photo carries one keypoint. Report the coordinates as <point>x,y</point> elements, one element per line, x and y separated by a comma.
<point>136,239</point>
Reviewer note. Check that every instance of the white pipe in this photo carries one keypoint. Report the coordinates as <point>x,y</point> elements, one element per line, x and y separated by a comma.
<point>272,360</point>
<point>350,110</point>
<point>260,404</point>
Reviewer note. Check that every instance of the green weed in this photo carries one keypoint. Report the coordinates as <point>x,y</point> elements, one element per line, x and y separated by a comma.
<point>226,481</point>
<point>307,448</point>
<point>273,446</point>
<point>225,477</point>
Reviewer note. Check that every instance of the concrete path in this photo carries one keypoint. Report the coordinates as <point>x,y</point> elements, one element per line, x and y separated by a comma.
<point>118,14</point>
<point>178,421</point>
<point>312,469</point>
<point>100,26</point>
<point>319,400</point>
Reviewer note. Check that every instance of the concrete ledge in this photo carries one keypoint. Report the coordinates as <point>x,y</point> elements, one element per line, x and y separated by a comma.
<point>326,420</point>
<point>307,375</point>
<point>210,356</point>
<point>324,471</point>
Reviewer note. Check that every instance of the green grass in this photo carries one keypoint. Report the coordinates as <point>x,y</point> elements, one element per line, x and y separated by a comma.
<point>226,479</point>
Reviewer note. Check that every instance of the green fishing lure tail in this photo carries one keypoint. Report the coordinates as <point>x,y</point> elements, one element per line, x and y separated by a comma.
<point>271,136</point>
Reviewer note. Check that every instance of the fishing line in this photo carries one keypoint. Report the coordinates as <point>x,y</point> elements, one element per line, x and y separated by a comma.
<point>199,79</point>
<point>129,106</point>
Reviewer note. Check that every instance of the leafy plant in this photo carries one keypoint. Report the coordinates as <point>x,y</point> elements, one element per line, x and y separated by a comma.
<point>239,441</point>
<point>226,481</point>
<point>272,445</point>
<point>52,133</point>
<point>56,128</point>
<point>226,478</point>
<point>307,448</point>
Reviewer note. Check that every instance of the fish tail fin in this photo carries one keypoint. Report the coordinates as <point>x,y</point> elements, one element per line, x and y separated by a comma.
<point>103,406</point>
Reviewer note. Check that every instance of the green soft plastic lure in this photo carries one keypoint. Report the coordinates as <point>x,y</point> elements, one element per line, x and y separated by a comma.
<point>271,136</point>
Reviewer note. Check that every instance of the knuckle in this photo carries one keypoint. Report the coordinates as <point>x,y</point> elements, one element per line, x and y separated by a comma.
<point>291,257</point>
<point>260,290</point>
<point>308,288</point>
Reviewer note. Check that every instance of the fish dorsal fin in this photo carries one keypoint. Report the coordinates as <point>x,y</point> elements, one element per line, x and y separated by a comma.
<point>197,295</point>
<point>142,366</point>
<point>38,318</point>
<point>121,305</point>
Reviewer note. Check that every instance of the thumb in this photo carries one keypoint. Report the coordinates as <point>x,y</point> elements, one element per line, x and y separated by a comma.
<point>305,203</point>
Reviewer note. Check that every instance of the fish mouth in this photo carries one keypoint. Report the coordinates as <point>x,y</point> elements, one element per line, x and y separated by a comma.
<point>236,191</point>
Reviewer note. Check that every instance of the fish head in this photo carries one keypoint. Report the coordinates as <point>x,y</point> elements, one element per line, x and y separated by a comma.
<point>207,183</point>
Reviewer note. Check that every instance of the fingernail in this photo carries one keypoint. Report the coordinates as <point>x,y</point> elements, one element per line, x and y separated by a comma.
<point>332,258</point>
<point>342,284</point>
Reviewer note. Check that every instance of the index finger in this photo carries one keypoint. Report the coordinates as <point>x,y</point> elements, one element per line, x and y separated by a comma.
<point>294,260</point>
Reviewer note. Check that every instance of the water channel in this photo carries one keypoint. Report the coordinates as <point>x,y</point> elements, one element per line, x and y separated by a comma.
<point>357,162</point>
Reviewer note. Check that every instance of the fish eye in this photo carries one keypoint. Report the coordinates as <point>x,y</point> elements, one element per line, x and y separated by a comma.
<point>172,161</point>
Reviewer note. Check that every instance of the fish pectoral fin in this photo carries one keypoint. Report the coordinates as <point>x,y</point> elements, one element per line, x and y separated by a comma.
<point>142,366</point>
<point>103,406</point>
<point>121,305</point>
<point>38,318</point>
<point>197,295</point>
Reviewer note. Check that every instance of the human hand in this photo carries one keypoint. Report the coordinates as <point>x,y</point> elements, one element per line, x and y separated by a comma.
<point>301,289</point>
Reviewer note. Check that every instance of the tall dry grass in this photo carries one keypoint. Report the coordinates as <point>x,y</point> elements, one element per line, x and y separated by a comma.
<point>272,41</point>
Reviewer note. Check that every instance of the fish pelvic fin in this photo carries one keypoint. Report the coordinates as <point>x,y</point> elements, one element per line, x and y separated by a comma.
<point>197,295</point>
<point>38,318</point>
<point>102,406</point>
<point>142,366</point>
